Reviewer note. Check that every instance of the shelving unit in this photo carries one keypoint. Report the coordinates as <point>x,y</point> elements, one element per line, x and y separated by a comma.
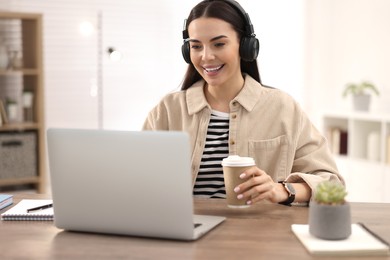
<point>359,127</point>
<point>22,139</point>
<point>366,166</point>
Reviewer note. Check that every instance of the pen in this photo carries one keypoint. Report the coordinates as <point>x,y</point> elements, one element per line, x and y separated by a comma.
<point>40,208</point>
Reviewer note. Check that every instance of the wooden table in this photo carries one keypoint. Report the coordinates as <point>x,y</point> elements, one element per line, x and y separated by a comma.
<point>260,232</point>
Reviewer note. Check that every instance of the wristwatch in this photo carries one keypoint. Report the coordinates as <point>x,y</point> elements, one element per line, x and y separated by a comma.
<point>291,193</point>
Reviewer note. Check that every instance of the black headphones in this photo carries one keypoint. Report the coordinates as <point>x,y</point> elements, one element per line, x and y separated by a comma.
<point>249,44</point>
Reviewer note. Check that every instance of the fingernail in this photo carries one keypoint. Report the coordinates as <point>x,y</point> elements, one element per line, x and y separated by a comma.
<point>249,202</point>
<point>243,175</point>
<point>236,189</point>
<point>240,196</point>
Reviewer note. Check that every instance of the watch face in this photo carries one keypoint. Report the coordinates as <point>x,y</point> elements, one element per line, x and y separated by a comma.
<point>290,188</point>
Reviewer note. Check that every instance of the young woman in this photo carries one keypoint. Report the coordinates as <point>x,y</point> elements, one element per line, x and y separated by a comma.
<point>227,111</point>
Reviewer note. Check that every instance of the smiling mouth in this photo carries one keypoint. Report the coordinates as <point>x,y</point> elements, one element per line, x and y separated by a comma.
<point>215,69</point>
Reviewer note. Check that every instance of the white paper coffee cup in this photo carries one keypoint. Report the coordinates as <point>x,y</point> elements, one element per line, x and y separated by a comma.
<point>233,167</point>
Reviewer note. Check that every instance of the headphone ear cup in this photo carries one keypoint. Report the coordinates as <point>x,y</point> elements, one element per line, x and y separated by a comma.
<point>185,50</point>
<point>249,48</point>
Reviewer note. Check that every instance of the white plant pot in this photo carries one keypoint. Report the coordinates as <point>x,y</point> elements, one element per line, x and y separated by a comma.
<point>361,102</point>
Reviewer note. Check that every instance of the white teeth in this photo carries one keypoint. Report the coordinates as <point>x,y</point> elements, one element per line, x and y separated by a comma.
<point>213,69</point>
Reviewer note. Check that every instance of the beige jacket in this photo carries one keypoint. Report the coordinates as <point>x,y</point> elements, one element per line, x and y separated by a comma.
<point>265,123</point>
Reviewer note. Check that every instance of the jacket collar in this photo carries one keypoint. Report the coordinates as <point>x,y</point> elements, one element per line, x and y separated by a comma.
<point>248,96</point>
<point>196,100</point>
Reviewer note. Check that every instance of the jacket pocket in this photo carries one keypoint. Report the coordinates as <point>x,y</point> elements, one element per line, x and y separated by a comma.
<point>271,156</point>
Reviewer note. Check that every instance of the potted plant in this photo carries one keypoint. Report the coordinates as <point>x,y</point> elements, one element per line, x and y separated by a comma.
<point>361,94</point>
<point>329,212</point>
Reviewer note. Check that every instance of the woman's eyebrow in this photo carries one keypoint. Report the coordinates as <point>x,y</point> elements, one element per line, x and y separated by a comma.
<point>218,37</point>
<point>212,39</point>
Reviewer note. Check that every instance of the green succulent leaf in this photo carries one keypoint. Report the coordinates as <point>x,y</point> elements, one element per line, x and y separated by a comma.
<point>328,192</point>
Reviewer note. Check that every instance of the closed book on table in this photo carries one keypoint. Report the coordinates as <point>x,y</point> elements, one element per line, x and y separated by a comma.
<point>5,200</point>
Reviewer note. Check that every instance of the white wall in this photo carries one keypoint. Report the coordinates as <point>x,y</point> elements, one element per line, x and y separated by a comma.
<point>309,48</point>
<point>347,41</point>
<point>279,26</point>
<point>148,33</point>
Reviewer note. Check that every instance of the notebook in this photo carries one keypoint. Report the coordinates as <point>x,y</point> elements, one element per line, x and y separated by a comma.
<point>134,183</point>
<point>19,211</point>
<point>361,242</point>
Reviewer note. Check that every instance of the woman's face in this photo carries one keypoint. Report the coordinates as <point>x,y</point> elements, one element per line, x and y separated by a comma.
<point>214,50</point>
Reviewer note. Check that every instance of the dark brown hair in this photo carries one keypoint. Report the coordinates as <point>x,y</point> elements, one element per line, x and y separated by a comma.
<point>221,10</point>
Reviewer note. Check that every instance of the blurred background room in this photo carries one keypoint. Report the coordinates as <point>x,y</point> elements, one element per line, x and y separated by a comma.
<point>104,64</point>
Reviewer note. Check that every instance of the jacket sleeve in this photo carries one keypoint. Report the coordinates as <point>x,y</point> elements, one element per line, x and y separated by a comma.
<point>313,160</point>
<point>149,122</point>
<point>157,118</point>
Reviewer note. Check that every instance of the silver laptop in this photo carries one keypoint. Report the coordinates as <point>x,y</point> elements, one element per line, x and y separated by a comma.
<point>124,182</point>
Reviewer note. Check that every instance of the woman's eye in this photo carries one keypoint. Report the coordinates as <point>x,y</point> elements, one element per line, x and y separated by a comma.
<point>195,47</point>
<point>220,44</point>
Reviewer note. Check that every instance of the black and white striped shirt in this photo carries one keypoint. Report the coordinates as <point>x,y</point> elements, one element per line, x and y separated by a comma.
<point>209,182</point>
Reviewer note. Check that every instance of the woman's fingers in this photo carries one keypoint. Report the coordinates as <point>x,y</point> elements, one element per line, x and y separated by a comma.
<point>257,186</point>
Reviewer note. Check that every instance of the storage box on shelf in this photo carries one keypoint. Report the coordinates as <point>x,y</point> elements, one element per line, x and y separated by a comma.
<point>22,129</point>
<point>366,162</point>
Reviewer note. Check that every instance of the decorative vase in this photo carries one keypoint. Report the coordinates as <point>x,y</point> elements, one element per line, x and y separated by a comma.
<point>28,99</point>
<point>361,102</point>
<point>16,60</point>
<point>12,110</point>
<point>330,222</point>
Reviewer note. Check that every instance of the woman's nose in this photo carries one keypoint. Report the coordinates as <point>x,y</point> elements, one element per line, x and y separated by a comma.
<point>208,54</point>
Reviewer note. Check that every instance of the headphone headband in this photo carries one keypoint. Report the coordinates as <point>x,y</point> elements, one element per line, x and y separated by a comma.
<point>249,31</point>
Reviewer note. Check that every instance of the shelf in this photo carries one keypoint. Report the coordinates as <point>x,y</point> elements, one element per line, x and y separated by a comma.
<point>366,181</point>
<point>19,127</point>
<point>366,116</point>
<point>18,15</point>
<point>368,134</point>
<point>32,72</point>
<point>23,155</point>
<point>19,181</point>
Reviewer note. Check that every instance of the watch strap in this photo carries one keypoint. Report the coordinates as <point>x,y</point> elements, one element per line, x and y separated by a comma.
<point>291,193</point>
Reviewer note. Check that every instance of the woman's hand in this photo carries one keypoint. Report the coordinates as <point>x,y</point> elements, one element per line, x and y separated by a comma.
<point>259,186</point>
